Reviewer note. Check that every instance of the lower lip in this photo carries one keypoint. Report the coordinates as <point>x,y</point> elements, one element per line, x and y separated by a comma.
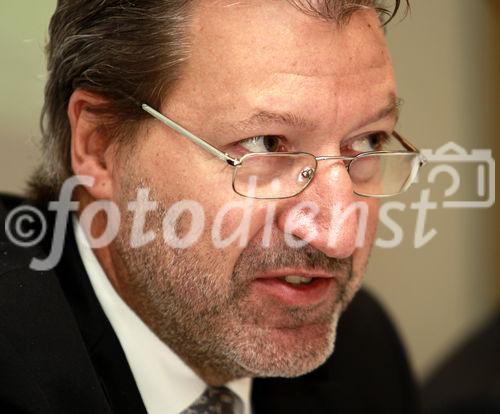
<point>295,295</point>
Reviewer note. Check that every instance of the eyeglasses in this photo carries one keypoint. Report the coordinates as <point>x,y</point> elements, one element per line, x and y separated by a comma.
<point>279,175</point>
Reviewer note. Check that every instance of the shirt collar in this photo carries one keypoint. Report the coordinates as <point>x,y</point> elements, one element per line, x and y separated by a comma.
<point>166,384</point>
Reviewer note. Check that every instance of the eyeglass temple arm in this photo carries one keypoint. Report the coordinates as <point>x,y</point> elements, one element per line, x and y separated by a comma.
<point>193,138</point>
<point>409,146</point>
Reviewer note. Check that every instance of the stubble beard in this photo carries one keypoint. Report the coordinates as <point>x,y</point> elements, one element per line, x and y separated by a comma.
<point>209,320</point>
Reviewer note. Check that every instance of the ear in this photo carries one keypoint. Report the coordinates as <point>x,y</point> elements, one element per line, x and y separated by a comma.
<point>91,150</point>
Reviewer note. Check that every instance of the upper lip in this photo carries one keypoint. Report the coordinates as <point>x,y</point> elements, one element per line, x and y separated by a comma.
<point>312,273</point>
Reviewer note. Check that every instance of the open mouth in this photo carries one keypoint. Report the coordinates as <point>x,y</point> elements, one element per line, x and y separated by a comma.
<point>295,290</point>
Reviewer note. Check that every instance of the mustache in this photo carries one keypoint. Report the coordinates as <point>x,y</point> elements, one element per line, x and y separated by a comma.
<point>257,259</point>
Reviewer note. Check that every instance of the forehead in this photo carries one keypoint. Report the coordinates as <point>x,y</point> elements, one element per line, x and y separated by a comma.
<point>259,31</point>
<point>268,53</point>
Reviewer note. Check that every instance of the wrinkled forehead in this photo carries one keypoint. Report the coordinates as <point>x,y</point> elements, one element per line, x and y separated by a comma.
<point>243,51</point>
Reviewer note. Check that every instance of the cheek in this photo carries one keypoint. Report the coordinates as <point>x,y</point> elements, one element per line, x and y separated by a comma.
<point>236,219</point>
<point>230,221</point>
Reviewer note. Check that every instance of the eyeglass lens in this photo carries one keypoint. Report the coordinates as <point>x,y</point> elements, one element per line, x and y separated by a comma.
<point>275,175</point>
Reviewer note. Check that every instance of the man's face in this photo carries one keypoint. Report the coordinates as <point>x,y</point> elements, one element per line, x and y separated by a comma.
<point>316,87</point>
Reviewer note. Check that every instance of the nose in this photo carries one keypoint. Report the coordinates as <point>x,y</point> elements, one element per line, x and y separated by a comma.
<point>325,215</point>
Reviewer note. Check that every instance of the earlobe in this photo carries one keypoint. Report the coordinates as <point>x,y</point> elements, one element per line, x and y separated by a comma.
<point>90,145</point>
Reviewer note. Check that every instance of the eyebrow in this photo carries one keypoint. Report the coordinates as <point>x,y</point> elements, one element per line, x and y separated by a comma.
<point>393,109</point>
<point>265,118</point>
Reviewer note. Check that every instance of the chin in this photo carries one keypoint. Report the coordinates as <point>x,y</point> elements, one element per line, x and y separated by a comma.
<point>286,352</point>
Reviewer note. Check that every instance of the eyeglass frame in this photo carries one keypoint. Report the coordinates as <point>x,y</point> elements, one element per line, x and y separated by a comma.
<point>235,162</point>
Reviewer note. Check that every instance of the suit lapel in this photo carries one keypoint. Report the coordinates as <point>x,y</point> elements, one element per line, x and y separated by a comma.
<point>43,356</point>
<point>105,351</point>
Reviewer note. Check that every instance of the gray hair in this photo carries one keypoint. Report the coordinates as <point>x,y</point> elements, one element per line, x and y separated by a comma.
<point>122,49</point>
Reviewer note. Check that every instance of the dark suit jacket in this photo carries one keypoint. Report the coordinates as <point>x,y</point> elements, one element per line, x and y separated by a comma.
<point>468,382</point>
<point>59,354</point>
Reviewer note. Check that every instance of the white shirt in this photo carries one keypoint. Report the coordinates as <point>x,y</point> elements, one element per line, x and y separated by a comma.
<point>166,384</point>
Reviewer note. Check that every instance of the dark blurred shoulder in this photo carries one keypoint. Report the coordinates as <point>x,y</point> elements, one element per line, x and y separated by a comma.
<point>468,382</point>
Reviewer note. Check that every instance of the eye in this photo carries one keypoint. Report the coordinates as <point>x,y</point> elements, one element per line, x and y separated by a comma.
<point>264,143</point>
<point>377,141</point>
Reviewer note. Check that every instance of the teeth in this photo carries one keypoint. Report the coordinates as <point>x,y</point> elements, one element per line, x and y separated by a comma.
<point>297,280</point>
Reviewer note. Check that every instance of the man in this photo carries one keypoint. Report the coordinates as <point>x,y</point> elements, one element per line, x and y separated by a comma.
<point>206,282</point>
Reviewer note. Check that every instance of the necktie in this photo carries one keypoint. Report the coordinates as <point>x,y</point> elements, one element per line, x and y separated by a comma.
<point>216,400</point>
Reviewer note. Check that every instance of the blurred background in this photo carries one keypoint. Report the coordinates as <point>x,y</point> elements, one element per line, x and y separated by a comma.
<point>447,62</point>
